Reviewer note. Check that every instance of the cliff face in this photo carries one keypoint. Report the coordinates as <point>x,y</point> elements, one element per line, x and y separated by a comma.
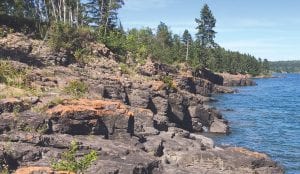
<point>237,80</point>
<point>138,121</point>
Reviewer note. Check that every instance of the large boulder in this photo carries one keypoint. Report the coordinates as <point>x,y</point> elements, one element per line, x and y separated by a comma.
<point>208,75</point>
<point>178,111</point>
<point>207,119</point>
<point>139,98</point>
<point>25,121</point>
<point>84,116</point>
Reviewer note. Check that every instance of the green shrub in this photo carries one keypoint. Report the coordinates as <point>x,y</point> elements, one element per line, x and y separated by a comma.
<point>168,81</point>
<point>69,162</point>
<point>3,33</point>
<point>76,88</point>
<point>82,56</point>
<point>4,169</point>
<point>12,76</point>
<point>50,104</point>
<point>115,40</point>
<point>64,36</point>
<point>124,68</point>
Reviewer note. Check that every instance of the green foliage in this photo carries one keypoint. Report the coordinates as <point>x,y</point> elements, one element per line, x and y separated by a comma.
<point>124,68</point>
<point>69,162</point>
<point>285,66</point>
<point>76,88</point>
<point>63,36</point>
<point>206,23</point>
<point>114,39</point>
<point>168,80</point>
<point>4,169</point>
<point>139,43</point>
<point>12,76</point>
<point>72,34</point>
<point>82,56</point>
<point>54,102</point>
<point>3,33</point>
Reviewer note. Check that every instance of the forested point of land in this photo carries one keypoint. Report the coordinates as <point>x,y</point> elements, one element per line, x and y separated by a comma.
<point>285,66</point>
<point>68,24</point>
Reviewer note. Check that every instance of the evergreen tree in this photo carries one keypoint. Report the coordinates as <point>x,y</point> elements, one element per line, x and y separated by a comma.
<point>163,35</point>
<point>265,66</point>
<point>206,23</point>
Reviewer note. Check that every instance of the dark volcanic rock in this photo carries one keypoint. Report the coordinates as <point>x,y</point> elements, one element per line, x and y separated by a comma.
<point>25,121</point>
<point>240,82</point>
<point>142,126</point>
<point>208,75</point>
<point>83,117</point>
<point>13,105</point>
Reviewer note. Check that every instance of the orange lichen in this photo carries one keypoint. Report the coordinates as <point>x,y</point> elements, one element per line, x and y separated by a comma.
<point>96,107</point>
<point>249,153</point>
<point>32,169</point>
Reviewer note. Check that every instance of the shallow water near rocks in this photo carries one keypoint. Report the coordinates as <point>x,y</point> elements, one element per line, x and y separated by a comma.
<point>265,118</point>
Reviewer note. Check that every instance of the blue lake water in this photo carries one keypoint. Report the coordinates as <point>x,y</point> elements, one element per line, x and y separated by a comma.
<point>266,118</point>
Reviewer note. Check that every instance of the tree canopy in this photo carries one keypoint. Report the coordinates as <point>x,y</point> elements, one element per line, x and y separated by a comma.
<point>71,23</point>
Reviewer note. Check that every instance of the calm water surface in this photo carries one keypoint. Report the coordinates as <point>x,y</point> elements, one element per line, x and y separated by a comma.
<point>266,118</point>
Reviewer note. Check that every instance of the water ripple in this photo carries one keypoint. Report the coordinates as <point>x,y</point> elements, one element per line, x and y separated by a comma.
<point>266,118</point>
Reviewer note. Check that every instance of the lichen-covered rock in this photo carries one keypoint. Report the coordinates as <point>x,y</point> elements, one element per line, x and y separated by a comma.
<point>84,116</point>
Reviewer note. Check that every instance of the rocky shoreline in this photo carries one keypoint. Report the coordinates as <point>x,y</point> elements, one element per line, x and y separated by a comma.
<point>146,121</point>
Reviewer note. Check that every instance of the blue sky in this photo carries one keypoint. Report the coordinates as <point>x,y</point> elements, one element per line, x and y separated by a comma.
<point>264,28</point>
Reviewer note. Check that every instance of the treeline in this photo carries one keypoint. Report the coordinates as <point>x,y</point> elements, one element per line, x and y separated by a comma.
<point>285,66</point>
<point>68,24</point>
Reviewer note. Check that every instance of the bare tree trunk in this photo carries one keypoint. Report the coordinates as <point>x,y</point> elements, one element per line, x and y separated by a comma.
<point>77,13</point>
<point>71,16</point>
<point>59,10</point>
<point>102,13</point>
<point>187,50</point>
<point>54,10</point>
<point>65,10</point>
<point>46,10</point>
<point>107,17</point>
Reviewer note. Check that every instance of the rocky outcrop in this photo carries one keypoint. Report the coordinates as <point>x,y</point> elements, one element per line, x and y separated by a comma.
<point>100,50</point>
<point>97,117</point>
<point>153,68</point>
<point>208,75</point>
<point>241,82</point>
<point>147,122</point>
<point>237,80</point>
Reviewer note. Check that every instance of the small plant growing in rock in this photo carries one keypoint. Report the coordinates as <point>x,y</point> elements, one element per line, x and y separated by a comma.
<point>3,33</point>
<point>69,162</point>
<point>16,110</point>
<point>56,101</point>
<point>11,75</point>
<point>76,88</point>
<point>169,82</point>
<point>4,169</point>
<point>124,68</point>
<point>82,56</point>
<point>53,103</point>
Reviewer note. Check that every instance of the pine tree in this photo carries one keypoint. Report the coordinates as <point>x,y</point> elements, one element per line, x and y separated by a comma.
<point>163,35</point>
<point>206,23</point>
